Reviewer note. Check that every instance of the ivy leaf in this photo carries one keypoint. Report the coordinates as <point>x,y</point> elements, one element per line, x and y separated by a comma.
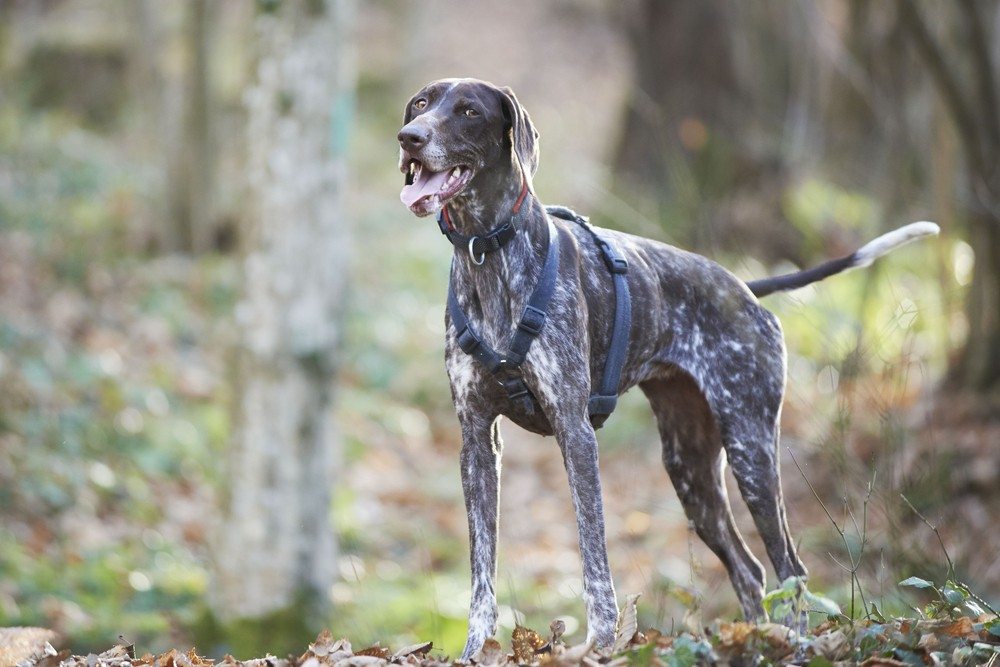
<point>916,582</point>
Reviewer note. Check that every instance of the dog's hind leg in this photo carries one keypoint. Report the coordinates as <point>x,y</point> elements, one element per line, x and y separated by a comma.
<point>752,448</point>
<point>692,455</point>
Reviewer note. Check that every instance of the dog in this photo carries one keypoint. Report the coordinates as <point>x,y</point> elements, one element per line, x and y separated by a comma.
<point>709,358</point>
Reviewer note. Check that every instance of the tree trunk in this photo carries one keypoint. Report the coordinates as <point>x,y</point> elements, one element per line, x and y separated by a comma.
<point>969,86</point>
<point>978,366</point>
<point>276,546</point>
<point>192,167</point>
<point>147,132</point>
<point>683,70</point>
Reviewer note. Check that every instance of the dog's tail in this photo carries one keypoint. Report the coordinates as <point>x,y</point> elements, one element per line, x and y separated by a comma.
<point>864,256</point>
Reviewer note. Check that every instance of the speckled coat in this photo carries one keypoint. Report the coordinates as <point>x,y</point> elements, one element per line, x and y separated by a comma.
<point>708,356</point>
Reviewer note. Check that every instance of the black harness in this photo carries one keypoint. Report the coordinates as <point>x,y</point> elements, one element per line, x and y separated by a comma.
<point>506,368</point>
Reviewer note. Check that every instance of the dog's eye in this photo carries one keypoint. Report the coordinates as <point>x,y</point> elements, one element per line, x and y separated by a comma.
<point>420,104</point>
<point>471,113</point>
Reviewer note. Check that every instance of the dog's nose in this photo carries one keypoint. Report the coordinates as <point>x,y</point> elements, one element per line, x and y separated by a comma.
<point>412,138</point>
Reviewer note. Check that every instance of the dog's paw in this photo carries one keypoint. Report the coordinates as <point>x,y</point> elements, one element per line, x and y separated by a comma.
<point>482,626</point>
<point>473,647</point>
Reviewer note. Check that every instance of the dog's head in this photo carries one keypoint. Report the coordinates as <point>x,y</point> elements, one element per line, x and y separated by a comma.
<point>455,130</point>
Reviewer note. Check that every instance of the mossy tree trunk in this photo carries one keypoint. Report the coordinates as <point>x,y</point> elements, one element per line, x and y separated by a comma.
<point>276,546</point>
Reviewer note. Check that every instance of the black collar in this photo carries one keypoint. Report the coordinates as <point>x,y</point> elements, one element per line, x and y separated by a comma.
<point>496,238</point>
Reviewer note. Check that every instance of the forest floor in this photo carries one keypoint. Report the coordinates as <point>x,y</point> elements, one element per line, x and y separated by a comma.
<point>947,638</point>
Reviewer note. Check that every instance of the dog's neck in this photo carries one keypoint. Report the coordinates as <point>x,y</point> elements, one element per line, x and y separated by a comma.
<point>494,198</point>
<point>489,200</point>
<point>510,272</point>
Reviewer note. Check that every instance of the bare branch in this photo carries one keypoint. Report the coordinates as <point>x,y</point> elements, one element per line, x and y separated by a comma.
<point>951,565</point>
<point>855,562</point>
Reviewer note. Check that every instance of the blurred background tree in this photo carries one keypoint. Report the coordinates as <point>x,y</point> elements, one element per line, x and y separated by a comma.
<point>964,64</point>
<point>184,192</point>
<point>276,550</point>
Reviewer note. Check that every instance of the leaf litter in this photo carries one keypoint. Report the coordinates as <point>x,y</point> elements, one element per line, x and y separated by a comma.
<point>837,641</point>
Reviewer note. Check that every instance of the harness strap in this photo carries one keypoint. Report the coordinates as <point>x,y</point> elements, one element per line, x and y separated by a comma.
<point>603,401</point>
<point>506,369</point>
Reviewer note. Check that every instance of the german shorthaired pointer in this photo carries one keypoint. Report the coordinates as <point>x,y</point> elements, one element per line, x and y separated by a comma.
<point>708,356</point>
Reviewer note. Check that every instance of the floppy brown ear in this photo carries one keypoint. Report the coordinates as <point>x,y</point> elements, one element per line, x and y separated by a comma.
<point>523,136</point>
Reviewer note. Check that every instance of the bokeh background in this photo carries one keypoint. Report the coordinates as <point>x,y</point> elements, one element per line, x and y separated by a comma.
<point>224,417</point>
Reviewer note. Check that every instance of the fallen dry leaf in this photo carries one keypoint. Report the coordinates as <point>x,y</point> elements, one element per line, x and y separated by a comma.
<point>325,645</point>
<point>735,635</point>
<point>832,645</point>
<point>627,624</point>
<point>524,642</point>
<point>960,628</point>
<point>25,644</point>
<point>882,662</point>
<point>778,637</point>
<point>413,649</point>
<point>929,642</point>
<point>491,653</point>
<point>360,661</point>
<point>376,651</point>
<point>560,656</point>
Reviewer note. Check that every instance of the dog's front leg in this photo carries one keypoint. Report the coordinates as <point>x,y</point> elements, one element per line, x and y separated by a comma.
<point>579,448</point>
<point>480,460</point>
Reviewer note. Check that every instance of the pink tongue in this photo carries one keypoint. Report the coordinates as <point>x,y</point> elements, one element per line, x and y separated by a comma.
<point>429,183</point>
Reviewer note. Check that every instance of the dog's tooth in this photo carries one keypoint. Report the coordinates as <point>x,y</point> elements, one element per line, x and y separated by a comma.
<point>456,172</point>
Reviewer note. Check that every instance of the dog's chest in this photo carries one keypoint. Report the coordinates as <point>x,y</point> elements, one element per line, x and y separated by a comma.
<point>489,310</point>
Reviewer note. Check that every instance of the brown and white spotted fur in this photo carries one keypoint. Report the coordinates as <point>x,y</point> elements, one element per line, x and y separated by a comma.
<point>708,356</point>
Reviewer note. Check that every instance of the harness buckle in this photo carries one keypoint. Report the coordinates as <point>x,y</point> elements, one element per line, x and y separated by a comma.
<point>614,263</point>
<point>618,265</point>
<point>601,405</point>
<point>472,254</point>
<point>468,341</point>
<point>532,320</point>
<point>516,389</point>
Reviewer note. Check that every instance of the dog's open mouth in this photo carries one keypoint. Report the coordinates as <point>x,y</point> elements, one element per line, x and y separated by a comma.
<point>427,191</point>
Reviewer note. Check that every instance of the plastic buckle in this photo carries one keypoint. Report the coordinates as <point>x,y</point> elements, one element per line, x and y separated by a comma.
<point>618,265</point>
<point>515,388</point>
<point>614,263</point>
<point>532,320</point>
<point>601,405</point>
<point>468,341</point>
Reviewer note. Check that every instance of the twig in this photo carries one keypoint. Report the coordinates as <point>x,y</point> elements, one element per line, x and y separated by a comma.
<point>951,566</point>
<point>855,562</point>
<point>841,565</point>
